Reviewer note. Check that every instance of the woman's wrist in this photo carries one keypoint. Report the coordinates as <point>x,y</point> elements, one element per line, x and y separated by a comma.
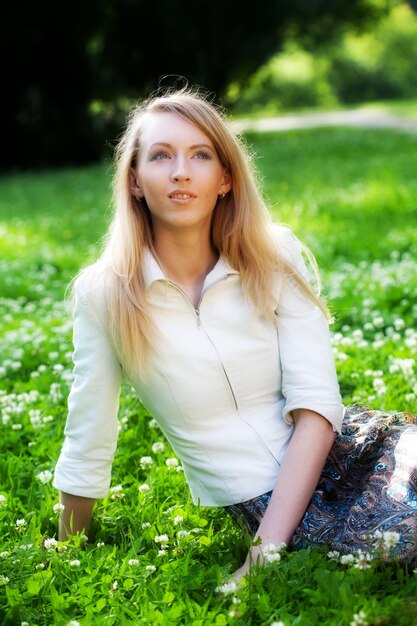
<point>264,553</point>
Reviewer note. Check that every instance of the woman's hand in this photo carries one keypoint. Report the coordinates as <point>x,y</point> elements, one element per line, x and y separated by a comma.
<point>298,477</point>
<point>254,557</point>
<point>238,575</point>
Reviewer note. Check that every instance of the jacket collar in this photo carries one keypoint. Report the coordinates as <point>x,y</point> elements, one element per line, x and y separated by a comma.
<point>153,272</point>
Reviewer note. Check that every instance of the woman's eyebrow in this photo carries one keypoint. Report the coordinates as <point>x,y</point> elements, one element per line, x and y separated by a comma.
<point>193,147</point>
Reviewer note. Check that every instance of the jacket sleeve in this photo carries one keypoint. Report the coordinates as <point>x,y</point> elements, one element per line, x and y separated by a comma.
<point>91,431</point>
<point>309,378</point>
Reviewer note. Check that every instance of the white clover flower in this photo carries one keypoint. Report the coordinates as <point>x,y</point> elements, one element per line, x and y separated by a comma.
<point>386,540</point>
<point>145,462</point>
<point>143,488</point>
<point>73,622</point>
<point>133,562</point>
<point>45,477</point>
<point>150,568</point>
<point>59,507</point>
<point>359,619</point>
<point>55,393</point>
<point>153,423</point>
<point>179,469</point>
<point>4,555</point>
<point>378,321</point>
<point>181,534</point>
<point>17,426</point>
<point>117,496</point>
<point>100,544</point>
<point>277,624</point>
<point>178,519</point>
<point>146,525</point>
<point>333,554</point>
<point>20,523</point>
<point>4,580</point>
<point>161,552</point>
<point>378,343</point>
<point>158,447</point>
<point>116,492</point>
<point>399,324</point>
<point>40,566</point>
<point>271,553</point>
<point>3,501</point>
<point>362,560</point>
<point>347,559</point>
<point>24,623</point>
<point>162,539</point>
<point>227,588</point>
<point>171,463</point>
<point>75,563</point>
<point>50,544</point>
<point>379,386</point>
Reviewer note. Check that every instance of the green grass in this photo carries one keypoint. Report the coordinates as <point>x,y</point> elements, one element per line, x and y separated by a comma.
<point>351,195</point>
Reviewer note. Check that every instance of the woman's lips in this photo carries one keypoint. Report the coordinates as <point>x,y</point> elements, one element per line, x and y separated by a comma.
<point>181,197</point>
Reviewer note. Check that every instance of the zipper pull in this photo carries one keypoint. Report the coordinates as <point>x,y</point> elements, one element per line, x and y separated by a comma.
<point>197,312</point>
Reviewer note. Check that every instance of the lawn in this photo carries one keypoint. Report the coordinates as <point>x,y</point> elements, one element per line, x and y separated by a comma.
<point>402,107</point>
<point>152,557</point>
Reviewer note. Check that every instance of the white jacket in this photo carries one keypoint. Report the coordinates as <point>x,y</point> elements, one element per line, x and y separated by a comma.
<point>222,384</point>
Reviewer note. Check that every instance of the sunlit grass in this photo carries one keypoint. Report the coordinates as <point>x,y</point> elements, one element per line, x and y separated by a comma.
<point>402,108</point>
<point>351,195</point>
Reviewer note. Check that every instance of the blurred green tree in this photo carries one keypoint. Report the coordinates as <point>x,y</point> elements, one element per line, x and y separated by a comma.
<point>71,69</point>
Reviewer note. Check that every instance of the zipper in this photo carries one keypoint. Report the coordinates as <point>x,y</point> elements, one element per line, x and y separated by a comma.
<point>197,308</point>
<point>198,316</point>
<point>226,378</point>
<point>232,393</point>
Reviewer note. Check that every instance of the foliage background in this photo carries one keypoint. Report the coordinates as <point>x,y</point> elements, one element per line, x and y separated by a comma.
<point>72,72</point>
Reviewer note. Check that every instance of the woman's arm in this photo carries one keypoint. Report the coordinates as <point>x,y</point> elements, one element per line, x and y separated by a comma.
<point>91,429</point>
<point>80,509</point>
<point>298,477</point>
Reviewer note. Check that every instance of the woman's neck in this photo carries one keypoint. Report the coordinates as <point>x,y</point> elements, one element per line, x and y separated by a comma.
<point>186,259</point>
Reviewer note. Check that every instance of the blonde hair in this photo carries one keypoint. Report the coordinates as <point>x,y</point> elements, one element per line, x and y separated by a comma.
<point>241,230</point>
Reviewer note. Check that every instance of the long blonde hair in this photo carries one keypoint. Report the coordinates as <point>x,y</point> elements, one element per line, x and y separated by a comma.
<point>241,230</point>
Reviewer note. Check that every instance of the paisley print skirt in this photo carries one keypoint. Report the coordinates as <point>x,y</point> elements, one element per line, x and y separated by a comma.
<point>368,484</point>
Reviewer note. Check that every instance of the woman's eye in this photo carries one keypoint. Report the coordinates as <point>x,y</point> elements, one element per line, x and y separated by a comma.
<point>202,155</point>
<point>159,156</point>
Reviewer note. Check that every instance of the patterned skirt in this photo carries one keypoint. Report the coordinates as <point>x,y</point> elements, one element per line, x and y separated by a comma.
<point>368,484</point>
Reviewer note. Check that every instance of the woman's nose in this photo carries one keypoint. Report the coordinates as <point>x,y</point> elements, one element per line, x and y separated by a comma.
<point>180,171</point>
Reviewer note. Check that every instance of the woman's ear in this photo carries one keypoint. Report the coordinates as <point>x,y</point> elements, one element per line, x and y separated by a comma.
<point>135,188</point>
<point>226,184</point>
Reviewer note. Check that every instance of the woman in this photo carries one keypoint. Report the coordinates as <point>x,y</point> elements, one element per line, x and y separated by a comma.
<point>209,311</point>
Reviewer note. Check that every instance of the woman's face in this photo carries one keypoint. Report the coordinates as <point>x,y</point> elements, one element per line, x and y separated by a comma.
<point>179,173</point>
